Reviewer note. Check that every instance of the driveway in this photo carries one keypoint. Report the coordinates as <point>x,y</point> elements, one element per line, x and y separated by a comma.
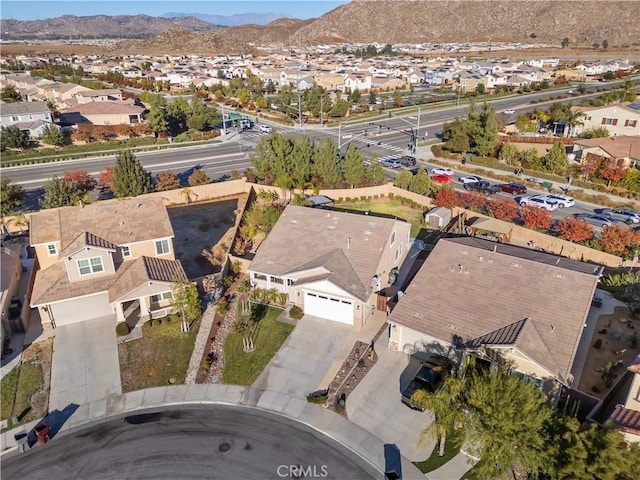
<point>375,404</point>
<point>85,365</point>
<point>302,362</point>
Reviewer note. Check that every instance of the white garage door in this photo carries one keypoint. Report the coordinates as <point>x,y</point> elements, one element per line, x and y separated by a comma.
<point>81,309</point>
<point>325,306</point>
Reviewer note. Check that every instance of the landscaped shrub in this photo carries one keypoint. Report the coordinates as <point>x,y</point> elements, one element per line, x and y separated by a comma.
<point>122,329</point>
<point>597,344</point>
<point>296,312</point>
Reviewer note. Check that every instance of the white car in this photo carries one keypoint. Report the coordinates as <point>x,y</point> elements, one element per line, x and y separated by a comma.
<point>562,200</point>
<point>265,128</point>
<point>540,202</point>
<point>470,179</point>
<point>509,111</point>
<point>441,171</point>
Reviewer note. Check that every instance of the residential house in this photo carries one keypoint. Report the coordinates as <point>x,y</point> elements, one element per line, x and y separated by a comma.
<point>32,117</point>
<point>11,272</point>
<point>331,82</point>
<point>112,258</point>
<point>469,81</point>
<point>104,95</point>
<point>353,81</point>
<point>103,113</point>
<point>626,416</point>
<point>475,297</point>
<point>331,264</point>
<point>619,118</point>
<point>622,147</point>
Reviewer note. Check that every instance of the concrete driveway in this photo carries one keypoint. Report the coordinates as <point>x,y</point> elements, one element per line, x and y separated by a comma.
<point>85,366</point>
<point>302,362</point>
<point>375,404</point>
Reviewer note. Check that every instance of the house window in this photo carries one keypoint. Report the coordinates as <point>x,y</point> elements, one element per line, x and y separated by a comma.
<point>51,248</point>
<point>161,296</point>
<point>630,123</point>
<point>393,238</point>
<point>87,266</point>
<point>126,251</point>
<point>609,121</point>
<point>14,119</point>
<point>162,247</point>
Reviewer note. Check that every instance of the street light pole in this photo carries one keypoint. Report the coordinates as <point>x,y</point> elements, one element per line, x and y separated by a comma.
<point>224,123</point>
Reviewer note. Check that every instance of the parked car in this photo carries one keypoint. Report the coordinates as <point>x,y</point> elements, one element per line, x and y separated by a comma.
<point>390,163</point>
<point>514,188</point>
<point>483,187</point>
<point>407,161</point>
<point>470,179</point>
<point>509,111</point>
<point>562,200</point>
<point>441,171</point>
<point>538,201</point>
<point>622,214</point>
<point>441,178</point>
<point>246,124</point>
<point>265,128</point>
<point>429,377</point>
<point>597,220</point>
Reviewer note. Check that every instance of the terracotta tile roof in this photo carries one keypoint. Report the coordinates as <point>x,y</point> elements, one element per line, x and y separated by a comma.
<point>306,237</point>
<point>86,239</point>
<point>628,420</point>
<point>144,270</point>
<point>477,291</point>
<point>116,221</point>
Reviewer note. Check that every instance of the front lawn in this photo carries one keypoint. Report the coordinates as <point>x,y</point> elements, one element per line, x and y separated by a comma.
<point>451,449</point>
<point>388,209</point>
<point>163,353</point>
<point>25,390</point>
<point>242,368</point>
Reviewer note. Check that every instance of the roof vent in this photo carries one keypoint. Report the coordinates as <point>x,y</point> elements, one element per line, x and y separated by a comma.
<point>294,221</point>
<point>368,232</point>
<point>558,275</point>
<point>464,252</point>
<point>481,259</point>
<point>417,314</point>
<point>331,227</point>
<point>516,265</point>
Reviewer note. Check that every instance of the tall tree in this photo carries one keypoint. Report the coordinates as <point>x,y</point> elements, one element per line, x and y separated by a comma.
<point>613,171</point>
<point>13,137</point>
<point>446,197</point>
<point>11,196</point>
<point>354,169</point>
<point>53,136</point>
<point>59,192</point>
<point>509,154</point>
<point>506,423</point>
<point>421,183</point>
<point>129,176</point>
<point>555,161</point>
<point>573,120</point>
<point>325,162</point>
<point>375,173</point>
<point>456,136</point>
<point>302,162</point>
<point>403,179</point>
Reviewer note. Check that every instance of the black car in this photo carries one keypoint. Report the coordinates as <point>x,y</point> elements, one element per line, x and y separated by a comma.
<point>483,187</point>
<point>407,161</point>
<point>415,170</point>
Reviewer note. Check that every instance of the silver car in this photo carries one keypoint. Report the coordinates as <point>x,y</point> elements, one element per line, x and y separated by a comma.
<point>595,219</point>
<point>622,214</point>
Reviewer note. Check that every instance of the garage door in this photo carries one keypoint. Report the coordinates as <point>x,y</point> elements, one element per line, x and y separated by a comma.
<point>325,306</point>
<point>78,310</point>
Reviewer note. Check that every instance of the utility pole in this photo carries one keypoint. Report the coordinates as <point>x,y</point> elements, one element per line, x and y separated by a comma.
<point>321,99</point>
<point>299,110</point>
<point>224,123</point>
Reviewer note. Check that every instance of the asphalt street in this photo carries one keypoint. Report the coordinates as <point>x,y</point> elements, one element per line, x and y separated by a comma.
<point>190,443</point>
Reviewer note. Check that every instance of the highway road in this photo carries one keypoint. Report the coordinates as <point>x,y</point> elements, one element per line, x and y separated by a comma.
<point>190,443</point>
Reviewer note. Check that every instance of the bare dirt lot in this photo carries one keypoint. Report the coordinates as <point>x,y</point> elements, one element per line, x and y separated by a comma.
<point>201,226</point>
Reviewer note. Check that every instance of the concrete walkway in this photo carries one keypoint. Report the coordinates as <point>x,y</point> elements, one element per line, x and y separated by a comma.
<point>355,439</point>
<point>85,365</point>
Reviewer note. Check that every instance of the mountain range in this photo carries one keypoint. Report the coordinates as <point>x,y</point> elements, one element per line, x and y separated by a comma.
<point>231,20</point>
<point>583,22</point>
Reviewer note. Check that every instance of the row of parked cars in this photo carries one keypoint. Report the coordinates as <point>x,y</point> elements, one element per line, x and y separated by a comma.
<point>606,217</point>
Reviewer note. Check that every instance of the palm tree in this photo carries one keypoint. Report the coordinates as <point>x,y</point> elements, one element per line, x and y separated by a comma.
<point>573,120</point>
<point>446,405</point>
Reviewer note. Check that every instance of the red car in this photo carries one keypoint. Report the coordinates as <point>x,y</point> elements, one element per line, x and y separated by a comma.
<point>514,188</point>
<point>442,178</point>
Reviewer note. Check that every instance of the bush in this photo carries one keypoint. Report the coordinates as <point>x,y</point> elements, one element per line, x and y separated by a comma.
<point>597,344</point>
<point>122,329</point>
<point>296,312</point>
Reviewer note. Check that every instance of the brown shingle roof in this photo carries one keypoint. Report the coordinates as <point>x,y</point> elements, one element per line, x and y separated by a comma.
<point>306,237</point>
<point>86,239</point>
<point>470,288</point>
<point>628,420</point>
<point>117,221</point>
<point>19,108</point>
<point>144,270</point>
<point>112,107</point>
<point>620,146</point>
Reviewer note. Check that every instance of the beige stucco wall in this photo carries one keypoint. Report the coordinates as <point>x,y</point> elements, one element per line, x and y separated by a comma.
<point>593,119</point>
<point>148,249</point>
<point>633,400</point>
<point>42,254</point>
<point>71,262</point>
<point>112,119</point>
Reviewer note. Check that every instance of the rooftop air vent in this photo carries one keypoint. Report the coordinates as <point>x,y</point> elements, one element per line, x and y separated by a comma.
<point>516,265</point>
<point>368,232</point>
<point>464,252</point>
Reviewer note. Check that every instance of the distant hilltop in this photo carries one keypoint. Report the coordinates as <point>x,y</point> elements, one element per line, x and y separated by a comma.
<point>583,23</point>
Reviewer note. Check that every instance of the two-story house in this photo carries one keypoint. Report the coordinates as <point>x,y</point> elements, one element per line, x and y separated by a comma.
<point>113,258</point>
<point>32,117</point>
<point>112,112</point>
<point>331,264</point>
<point>618,119</point>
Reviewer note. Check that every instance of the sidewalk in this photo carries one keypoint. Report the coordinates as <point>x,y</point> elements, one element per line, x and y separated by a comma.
<point>424,153</point>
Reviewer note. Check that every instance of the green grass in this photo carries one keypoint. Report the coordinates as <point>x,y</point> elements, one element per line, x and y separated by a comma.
<point>18,387</point>
<point>242,368</point>
<point>8,388</point>
<point>451,449</point>
<point>388,209</point>
<point>162,353</point>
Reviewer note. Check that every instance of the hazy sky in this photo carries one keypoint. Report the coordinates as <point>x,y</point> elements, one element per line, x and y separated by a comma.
<point>35,10</point>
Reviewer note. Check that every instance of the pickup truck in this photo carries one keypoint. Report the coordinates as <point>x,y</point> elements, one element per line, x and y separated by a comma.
<point>483,187</point>
<point>429,377</point>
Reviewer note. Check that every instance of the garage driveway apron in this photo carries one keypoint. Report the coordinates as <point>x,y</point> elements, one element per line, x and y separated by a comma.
<point>304,359</point>
<point>85,365</point>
